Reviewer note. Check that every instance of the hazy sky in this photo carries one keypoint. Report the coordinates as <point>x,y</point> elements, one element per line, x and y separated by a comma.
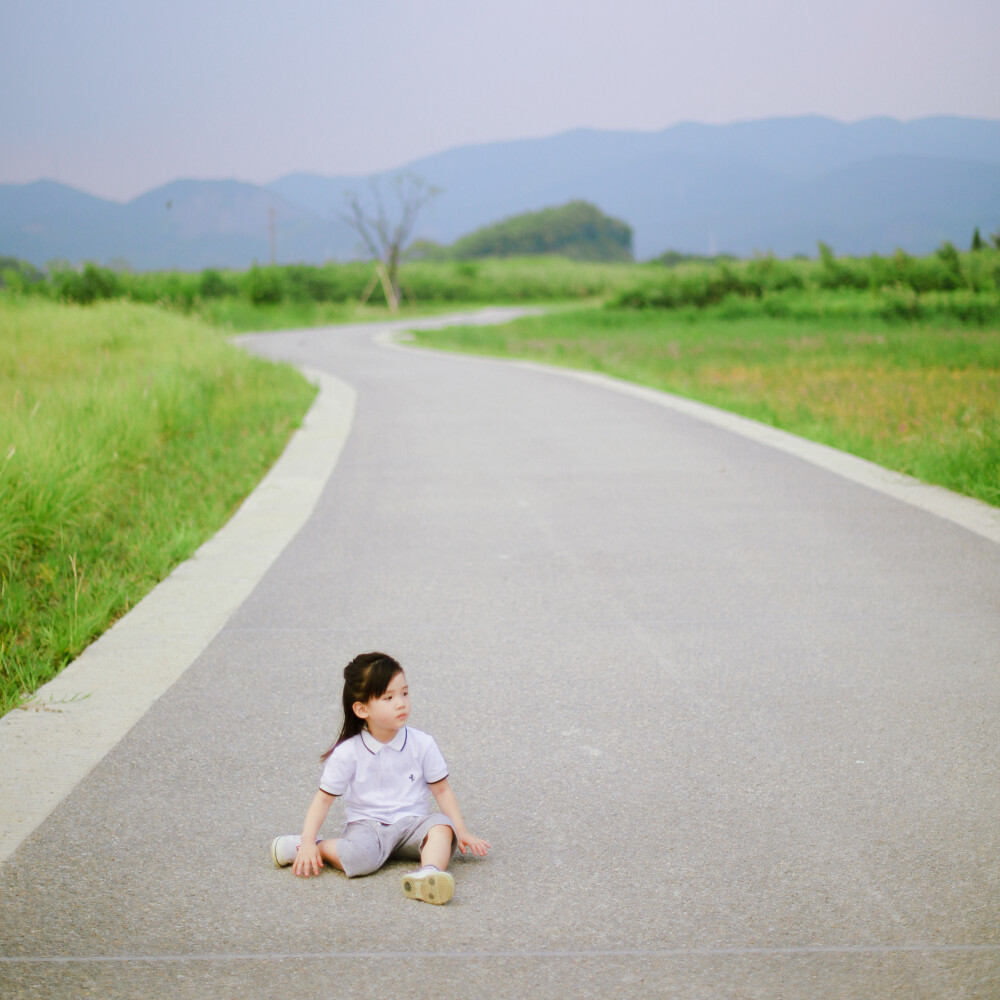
<point>119,96</point>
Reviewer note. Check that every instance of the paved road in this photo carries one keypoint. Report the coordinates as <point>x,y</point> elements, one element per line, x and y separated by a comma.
<point>731,722</point>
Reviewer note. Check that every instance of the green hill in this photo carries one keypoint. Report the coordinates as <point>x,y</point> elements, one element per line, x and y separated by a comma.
<point>576,230</point>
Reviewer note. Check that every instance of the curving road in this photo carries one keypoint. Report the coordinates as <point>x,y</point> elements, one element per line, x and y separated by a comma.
<point>731,722</point>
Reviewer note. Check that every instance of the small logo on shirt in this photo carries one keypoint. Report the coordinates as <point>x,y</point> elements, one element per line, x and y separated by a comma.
<point>413,777</point>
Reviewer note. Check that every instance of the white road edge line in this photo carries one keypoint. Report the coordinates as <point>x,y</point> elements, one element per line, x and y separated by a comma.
<point>583,953</point>
<point>973,515</point>
<point>50,745</point>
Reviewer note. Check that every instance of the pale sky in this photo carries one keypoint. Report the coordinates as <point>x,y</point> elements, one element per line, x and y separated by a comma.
<point>117,97</point>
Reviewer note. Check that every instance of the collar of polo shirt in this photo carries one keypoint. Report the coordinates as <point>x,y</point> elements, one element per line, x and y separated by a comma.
<point>372,745</point>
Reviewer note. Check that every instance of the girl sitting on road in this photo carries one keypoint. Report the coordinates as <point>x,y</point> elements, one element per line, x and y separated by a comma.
<point>384,770</point>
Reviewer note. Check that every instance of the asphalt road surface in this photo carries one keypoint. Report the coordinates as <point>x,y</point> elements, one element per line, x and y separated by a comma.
<point>730,721</point>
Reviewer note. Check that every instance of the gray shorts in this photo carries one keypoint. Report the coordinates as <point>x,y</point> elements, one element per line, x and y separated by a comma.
<point>366,845</point>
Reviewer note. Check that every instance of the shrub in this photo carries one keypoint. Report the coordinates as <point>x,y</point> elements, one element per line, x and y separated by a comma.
<point>264,285</point>
<point>768,274</point>
<point>212,285</point>
<point>19,275</point>
<point>839,272</point>
<point>84,287</point>
<point>898,302</point>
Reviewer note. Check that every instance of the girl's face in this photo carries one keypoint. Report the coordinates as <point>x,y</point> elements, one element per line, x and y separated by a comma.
<point>387,714</point>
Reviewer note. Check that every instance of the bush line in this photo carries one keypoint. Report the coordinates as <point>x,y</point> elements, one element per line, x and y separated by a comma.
<point>961,287</point>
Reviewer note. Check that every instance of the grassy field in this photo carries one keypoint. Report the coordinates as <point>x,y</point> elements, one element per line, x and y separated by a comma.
<point>239,316</point>
<point>130,430</point>
<point>923,399</point>
<point>308,295</point>
<point>128,435</point>
<point>963,287</point>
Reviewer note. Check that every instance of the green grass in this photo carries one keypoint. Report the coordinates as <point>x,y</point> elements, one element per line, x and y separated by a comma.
<point>317,294</point>
<point>921,399</point>
<point>239,316</point>
<point>128,435</point>
<point>129,432</point>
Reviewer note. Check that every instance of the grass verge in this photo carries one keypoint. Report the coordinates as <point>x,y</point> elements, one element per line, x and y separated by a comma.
<point>921,399</point>
<point>128,435</point>
<point>239,316</point>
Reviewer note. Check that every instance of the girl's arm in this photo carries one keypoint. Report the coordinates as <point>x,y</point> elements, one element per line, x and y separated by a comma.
<point>448,804</point>
<point>308,860</point>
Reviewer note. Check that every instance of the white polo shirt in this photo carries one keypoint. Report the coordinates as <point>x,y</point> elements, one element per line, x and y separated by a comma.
<point>384,781</point>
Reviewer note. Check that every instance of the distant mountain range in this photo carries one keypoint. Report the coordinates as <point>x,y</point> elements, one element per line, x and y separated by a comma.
<point>781,184</point>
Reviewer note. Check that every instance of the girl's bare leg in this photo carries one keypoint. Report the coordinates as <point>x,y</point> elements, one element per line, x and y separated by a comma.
<point>436,849</point>
<point>328,852</point>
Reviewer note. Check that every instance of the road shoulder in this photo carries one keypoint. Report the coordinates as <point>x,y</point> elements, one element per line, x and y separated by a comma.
<point>48,746</point>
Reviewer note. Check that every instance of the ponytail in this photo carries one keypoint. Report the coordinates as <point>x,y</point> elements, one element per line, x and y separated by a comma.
<point>367,676</point>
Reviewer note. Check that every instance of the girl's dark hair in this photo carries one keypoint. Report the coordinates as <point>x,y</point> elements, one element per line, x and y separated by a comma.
<point>367,676</point>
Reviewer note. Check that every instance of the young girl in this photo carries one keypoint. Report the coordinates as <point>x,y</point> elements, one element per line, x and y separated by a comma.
<point>384,770</point>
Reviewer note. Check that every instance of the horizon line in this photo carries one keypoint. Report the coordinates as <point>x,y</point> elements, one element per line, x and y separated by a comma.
<point>403,167</point>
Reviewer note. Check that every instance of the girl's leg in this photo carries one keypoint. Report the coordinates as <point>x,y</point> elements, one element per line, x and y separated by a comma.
<point>436,848</point>
<point>432,883</point>
<point>328,852</point>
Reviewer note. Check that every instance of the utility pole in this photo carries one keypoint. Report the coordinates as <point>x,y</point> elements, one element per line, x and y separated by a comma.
<point>271,241</point>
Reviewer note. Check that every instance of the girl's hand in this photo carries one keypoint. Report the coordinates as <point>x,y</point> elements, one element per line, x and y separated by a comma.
<point>468,844</point>
<point>308,860</point>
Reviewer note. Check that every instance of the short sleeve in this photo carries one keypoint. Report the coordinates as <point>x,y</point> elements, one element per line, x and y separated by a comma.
<point>432,762</point>
<point>338,772</point>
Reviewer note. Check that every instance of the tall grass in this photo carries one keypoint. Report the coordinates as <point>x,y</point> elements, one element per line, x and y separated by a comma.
<point>238,315</point>
<point>921,399</point>
<point>330,292</point>
<point>128,435</point>
<point>958,287</point>
<point>946,285</point>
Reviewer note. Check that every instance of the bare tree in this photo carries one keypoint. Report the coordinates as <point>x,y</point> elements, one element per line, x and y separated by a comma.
<point>387,230</point>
